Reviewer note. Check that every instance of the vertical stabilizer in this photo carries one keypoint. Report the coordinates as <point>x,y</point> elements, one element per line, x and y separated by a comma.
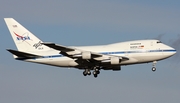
<point>24,39</point>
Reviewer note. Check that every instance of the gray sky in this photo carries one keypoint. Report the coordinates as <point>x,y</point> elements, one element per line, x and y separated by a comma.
<point>91,22</point>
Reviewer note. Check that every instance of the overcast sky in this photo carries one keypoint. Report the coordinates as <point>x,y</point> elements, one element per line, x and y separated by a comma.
<point>91,22</point>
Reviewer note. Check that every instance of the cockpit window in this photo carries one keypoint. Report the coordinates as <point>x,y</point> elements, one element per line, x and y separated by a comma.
<point>159,42</point>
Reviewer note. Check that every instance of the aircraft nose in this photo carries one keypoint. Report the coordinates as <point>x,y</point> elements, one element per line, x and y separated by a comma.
<point>169,51</point>
<point>173,51</point>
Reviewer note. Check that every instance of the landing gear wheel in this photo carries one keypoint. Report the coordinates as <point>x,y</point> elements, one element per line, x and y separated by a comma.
<point>89,72</point>
<point>98,72</point>
<point>153,69</point>
<point>84,73</point>
<point>96,69</point>
<point>95,73</point>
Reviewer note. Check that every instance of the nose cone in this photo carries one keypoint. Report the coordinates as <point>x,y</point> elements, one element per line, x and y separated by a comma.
<point>167,51</point>
<point>172,51</point>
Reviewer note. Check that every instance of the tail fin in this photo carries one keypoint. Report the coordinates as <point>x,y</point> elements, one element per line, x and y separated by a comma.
<point>24,39</point>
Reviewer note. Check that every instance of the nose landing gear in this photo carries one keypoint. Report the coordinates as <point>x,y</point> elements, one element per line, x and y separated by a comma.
<point>153,69</point>
<point>154,66</point>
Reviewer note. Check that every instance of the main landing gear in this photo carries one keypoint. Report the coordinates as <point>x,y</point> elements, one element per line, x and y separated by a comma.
<point>95,72</point>
<point>87,72</point>
<point>154,66</point>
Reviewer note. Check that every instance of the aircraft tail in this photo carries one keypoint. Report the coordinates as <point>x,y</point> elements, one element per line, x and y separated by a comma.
<point>25,41</point>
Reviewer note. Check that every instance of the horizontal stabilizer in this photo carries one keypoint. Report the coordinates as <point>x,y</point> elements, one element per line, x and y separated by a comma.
<point>22,54</point>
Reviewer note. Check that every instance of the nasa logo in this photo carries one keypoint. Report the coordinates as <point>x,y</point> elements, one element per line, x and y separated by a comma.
<point>23,38</point>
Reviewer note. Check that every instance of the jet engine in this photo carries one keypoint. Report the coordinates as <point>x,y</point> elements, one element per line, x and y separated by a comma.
<point>115,60</point>
<point>86,55</point>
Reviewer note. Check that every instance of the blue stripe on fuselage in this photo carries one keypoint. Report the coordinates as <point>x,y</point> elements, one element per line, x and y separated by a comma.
<point>106,53</point>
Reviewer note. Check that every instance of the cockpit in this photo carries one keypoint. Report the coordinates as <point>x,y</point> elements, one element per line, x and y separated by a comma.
<point>159,42</point>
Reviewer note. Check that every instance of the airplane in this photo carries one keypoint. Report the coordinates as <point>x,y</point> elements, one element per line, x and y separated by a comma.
<point>90,59</point>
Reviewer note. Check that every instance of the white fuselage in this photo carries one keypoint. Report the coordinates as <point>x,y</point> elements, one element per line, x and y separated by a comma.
<point>140,51</point>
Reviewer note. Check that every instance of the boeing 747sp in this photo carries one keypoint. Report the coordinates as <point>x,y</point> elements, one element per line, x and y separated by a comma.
<point>87,58</point>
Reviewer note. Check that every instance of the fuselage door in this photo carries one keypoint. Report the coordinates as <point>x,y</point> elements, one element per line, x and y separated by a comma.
<point>151,43</point>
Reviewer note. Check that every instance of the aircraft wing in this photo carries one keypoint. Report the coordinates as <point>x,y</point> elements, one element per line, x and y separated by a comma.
<point>81,54</point>
<point>58,47</point>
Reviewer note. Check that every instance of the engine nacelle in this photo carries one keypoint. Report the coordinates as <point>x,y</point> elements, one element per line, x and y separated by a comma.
<point>115,60</point>
<point>86,55</point>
